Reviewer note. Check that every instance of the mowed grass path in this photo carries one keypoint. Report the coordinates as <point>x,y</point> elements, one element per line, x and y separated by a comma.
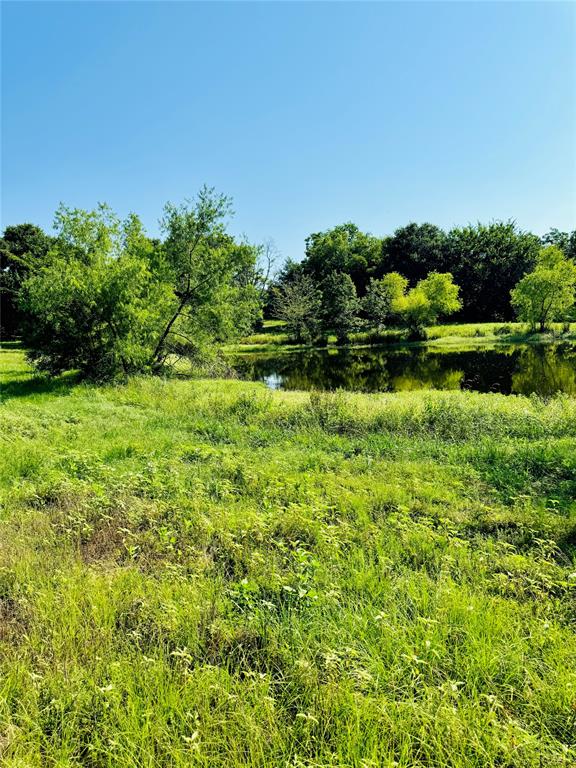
<point>205,573</point>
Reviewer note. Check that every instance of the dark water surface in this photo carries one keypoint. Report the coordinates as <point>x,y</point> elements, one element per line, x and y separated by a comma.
<point>521,369</point>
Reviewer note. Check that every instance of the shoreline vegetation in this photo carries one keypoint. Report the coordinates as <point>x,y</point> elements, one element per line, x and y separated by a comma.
<point>272,338</point>
<point>208,574</point>
<point>103,298</point>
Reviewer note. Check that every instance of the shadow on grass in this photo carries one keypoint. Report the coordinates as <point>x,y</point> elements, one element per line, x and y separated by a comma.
<point>269,330</point>
<point>10,345</point>
<point>37,385</point>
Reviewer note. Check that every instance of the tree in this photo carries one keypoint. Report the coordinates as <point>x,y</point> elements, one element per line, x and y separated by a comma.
<point>342,249</point>
<point>564,240</point>
<point>432,297</point>
<point>414,310</point>
<point>298,302</point>
<point>267,259</point>
<point>93,304</point>
<point>414,251</point>
<point>380,296</point>
<point>340,305</point>
<point>21,248</point>
<point>547,293</point>
<point>261,275</point>
<point>108,301</point>
<point>442,293</point>
<point>202,264</point>
<point>487,261</point>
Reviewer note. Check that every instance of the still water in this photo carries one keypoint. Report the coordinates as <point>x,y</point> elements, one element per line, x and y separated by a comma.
<point>522,369</point>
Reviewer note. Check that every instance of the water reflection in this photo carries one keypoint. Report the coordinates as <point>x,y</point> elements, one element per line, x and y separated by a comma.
<point>544,369</point>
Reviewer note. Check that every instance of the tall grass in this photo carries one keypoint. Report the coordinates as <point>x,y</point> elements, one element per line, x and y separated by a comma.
<point>209,574</point>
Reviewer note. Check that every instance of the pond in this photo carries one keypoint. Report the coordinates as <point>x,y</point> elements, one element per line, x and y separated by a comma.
<point>517,369</point>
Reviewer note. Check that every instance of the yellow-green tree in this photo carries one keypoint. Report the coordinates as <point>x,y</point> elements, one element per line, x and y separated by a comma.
<point>432,297</point>
<point>547,293</point>
<point>380,296</point>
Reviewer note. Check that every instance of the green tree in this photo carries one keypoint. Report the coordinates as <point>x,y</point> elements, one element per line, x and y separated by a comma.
<point>109,301</point>
<point>414,311</point>
<point>414,251</point>
<point>487,261</point>
<point>442,293</point>
<point>547,293</point>
<point>203,267</point>
<point>340,305</point>
<point>298,302</point>
<point>564,240</point>
<point>380,296</point>
<point>342,249</point>
<point>93,304</point>
<point>435,296</point>
<point>21,249</point>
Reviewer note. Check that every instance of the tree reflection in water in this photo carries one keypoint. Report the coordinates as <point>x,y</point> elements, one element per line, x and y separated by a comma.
<point>542,369</point>
<point>545,370</point>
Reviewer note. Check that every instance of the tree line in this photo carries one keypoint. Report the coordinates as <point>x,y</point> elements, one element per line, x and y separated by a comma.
<point>311,310</point>
<point>485,260</point>
<point>102,297</point>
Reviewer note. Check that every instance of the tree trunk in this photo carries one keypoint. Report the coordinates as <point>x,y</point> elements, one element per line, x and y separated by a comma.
<point>155,360</point>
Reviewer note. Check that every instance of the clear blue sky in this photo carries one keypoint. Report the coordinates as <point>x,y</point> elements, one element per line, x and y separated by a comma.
<point>307,114</point>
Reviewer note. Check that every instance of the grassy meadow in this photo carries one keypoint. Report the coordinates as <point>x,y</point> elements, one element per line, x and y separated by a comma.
<point>207,573</point>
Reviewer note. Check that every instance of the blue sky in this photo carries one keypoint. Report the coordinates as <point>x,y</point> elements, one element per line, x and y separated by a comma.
<point>307,114</point>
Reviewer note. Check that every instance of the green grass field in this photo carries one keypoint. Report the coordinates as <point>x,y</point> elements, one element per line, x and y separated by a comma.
<point>207,573</point>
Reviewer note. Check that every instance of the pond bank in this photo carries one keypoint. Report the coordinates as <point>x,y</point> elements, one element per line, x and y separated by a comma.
<point>273,339</point>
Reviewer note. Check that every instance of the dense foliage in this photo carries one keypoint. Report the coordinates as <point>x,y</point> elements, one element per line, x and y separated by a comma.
<point>332,306</point>
<point>422,305</point>
<point>92,303</point>
<point>298,303</point>
<point>548,293</point>
<point>381,297</point>
<point>340,305</point>
<point>211,277</point>
<point>486,261</point>
<point>102,297</point>
<point>21,248</point>
<point>413,250</point>
<point>342,249</point>
<point>107,300</point>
